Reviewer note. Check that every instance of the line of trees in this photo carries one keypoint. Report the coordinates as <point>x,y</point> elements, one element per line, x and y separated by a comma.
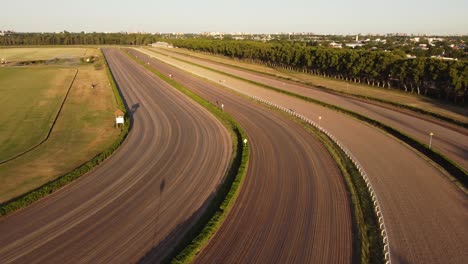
<point>67,38</point>
<point>428,76</point>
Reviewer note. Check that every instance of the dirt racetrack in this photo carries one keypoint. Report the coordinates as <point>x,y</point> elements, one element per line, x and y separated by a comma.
<point>425,213</point>
<point>293,206</point>
<point>145,195</point>
<point>448,139</point>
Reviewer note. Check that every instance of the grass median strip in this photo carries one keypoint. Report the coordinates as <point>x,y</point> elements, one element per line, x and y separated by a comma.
<point>210,220</point>
<point>333,91</point>
<point>53,185</point>
<point>367,242</point>
<point>459,173</point>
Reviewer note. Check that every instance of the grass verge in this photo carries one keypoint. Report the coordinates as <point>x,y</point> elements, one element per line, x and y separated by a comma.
<point>367,241</point>
<point>332,91</point>
<point>459,173</point>
<point>54,185</point>
<point>212,218</point>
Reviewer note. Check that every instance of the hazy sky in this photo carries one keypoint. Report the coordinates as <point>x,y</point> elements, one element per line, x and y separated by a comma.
<point>269,16</point>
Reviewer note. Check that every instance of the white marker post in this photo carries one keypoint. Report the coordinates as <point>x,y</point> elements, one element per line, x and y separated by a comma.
<point>222,107</point>
<point>245,142</point>
<point>430,139</point>
<point>319,118</point>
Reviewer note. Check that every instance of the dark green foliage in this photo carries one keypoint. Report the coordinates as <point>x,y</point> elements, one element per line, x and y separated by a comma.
<point>432,77</point>
<point>82,38</point>
<point>454,169</point>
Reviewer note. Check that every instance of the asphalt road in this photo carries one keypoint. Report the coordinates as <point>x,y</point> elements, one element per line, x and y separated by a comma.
<point>293,206</point>
<point>145,195</point>
<point>425,213</point>
<point>448,139</point>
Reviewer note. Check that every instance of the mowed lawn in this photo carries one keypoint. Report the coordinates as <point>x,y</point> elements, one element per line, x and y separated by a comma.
<point>28,54</point>
<point>30,99</point>
<point>84,128</point>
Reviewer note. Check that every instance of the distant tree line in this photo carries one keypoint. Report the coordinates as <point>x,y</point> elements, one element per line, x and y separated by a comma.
<point>67,38</point>
<point>432,77</point>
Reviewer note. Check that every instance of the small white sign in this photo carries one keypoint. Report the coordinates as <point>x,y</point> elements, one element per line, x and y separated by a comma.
<point>119,120</point>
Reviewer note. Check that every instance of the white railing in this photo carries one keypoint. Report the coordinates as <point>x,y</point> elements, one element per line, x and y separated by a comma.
<point>348,153</point>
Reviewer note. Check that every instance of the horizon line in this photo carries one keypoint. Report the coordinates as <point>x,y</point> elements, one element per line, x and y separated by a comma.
<point>240,33</point>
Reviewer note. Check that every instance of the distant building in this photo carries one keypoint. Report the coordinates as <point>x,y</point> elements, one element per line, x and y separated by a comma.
<point>336,45</point>
<point>422,47</point>
<point>443,58</point>
<point>161,44</point>
<point>354,45</point>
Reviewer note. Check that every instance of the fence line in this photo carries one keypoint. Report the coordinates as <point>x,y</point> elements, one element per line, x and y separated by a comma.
<point>356,163</point>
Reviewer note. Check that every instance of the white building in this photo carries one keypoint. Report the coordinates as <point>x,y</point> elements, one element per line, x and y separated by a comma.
<point>353,45</point>
<point>443,58</point>
<point>161,44</point>
<point>336,45</point>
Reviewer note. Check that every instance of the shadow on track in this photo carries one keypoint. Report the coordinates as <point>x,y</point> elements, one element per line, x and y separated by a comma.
<point>174,241</point>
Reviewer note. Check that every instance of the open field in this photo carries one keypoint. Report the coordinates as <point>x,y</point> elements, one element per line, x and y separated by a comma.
<point>428,104</point>
<point>83,129</point>
<point>425,213</point>
<point>28,54</point>
<point>147,194</point>
<point>30,99</point>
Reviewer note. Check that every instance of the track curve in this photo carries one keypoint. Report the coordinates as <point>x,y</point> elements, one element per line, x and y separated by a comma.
<point>448,139</point>
<point>425,214</point>
<point>293,206</point>
<point>145,195</point>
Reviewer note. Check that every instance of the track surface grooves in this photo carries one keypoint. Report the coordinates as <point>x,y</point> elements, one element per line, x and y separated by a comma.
<point>453,143</point>
<point>293,206</point>
<point>425,214</point>
<point>117,213</point>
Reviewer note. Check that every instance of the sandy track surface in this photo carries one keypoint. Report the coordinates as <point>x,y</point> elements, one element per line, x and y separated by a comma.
<point>293,206</point>
<point>425,213</point>
<point>146,194</point>
<point>449,140</point>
